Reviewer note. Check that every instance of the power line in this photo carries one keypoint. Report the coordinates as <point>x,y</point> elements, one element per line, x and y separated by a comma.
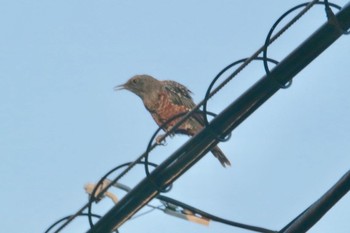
<point>315,212</point>
<point>180,208</point>
<point>194,149</point>
<point>187,155</point>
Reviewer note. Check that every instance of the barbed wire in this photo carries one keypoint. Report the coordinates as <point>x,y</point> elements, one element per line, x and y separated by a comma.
<point>196,110</point>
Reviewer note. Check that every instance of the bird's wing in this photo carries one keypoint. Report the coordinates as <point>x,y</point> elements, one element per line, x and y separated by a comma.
<point>179,94</point>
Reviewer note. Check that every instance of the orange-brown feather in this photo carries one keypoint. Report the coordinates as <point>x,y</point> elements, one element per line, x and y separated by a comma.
<point>167,110</point>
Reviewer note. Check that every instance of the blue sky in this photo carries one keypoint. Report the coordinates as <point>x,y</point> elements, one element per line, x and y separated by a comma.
<point>62,125</point>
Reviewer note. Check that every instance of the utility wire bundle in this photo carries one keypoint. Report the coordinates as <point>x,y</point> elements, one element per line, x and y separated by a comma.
<point>219,129</point>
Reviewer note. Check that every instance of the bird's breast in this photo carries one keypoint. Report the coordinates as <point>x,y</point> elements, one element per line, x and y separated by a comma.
<point>167,110</point>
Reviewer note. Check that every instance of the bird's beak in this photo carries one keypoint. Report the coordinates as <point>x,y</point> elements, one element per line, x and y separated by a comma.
<point>119,87</point>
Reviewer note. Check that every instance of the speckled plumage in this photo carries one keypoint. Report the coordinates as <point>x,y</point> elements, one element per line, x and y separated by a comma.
<point>166,99</point>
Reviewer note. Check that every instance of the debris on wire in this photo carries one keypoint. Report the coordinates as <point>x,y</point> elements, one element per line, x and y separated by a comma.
<point>90,187</point>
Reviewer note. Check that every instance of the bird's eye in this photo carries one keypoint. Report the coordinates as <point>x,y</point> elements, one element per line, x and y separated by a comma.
<point>134,81</point>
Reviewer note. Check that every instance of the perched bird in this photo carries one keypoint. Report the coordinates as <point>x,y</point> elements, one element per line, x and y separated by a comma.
<point>166,99</point>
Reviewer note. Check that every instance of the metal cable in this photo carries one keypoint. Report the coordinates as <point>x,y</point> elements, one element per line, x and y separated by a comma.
<point>189,114</point>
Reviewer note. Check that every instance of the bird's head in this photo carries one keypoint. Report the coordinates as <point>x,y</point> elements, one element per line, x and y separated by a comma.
<point>140,85</point>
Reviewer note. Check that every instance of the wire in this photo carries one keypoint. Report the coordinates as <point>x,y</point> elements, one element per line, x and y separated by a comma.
<point>148,211</point>
<point>207,94</point>
<point>213,217</point>
<point>173,203</point>
<point>93,193</point>
<point>201,117</point>
<point>68,217</point>
<point>195,212</point>
<point>238,70</point>
<point>245,62</point>
<point>269,40</point>
<point>128,189</point>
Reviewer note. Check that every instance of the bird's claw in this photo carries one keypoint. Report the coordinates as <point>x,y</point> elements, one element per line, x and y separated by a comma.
<point>160,140</point>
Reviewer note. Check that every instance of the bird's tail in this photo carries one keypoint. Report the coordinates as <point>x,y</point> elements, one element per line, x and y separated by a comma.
<point>220,156</point>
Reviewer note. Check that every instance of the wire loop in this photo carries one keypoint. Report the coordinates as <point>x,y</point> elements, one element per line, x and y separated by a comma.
<point>207,94</point>
<point>268,40</point>
<point>67,217</point>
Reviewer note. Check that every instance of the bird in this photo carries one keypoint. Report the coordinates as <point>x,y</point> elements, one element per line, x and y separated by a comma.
<point>165,99</point>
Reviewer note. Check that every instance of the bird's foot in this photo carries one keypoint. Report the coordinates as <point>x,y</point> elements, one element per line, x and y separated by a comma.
<point>160,140</point>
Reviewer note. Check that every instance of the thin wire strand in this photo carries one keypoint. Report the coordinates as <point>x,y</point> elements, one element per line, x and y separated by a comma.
<point>153,208</point>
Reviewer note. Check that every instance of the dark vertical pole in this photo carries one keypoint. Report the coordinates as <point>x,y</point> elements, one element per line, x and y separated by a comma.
<point>187,155</point>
